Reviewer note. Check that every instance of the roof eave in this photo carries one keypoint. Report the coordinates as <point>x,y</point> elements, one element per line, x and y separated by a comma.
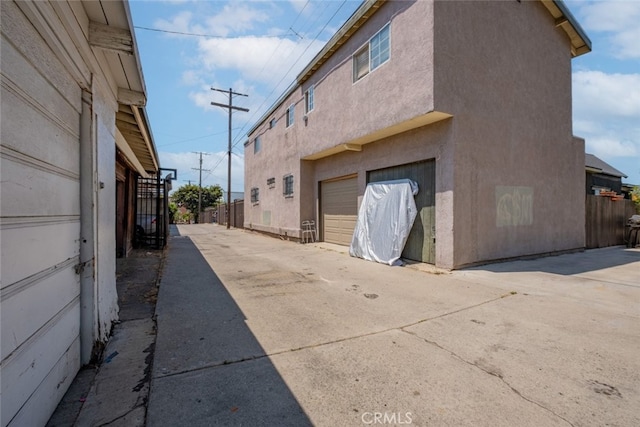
<point>580,42</point>
<point>359,17</point>
<point>135,96</point>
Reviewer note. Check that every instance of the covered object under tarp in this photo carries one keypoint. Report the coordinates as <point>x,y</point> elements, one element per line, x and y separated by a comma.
<point>384,222</point>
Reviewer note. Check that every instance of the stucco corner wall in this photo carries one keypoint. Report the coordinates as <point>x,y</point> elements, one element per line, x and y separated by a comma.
<point>278,157</point>
<point>519,173</point>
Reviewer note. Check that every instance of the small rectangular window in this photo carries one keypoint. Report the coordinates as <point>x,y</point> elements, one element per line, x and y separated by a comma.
<point>272,123</point>
<point>287,185</point>
<point>308,100</point>
<point>380,48</point>
<point>255,195</point>
<point>271,182</point>
<point>257,144</point>
<point>290,112</point>
<point>361,63</point>
<point>375,53</point>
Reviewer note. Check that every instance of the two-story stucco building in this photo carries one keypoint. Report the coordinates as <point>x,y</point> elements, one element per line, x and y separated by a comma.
<point>470,99</point>
<point>74,140</point>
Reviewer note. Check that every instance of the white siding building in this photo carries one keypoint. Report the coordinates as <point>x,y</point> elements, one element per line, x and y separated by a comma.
<point>73,99</point>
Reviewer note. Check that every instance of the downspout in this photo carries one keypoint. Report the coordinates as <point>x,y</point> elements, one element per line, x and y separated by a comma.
<point>86,268</point>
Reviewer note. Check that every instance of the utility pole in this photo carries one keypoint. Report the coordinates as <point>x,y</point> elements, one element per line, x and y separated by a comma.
<point>230,107</point>
<point>200,183</point>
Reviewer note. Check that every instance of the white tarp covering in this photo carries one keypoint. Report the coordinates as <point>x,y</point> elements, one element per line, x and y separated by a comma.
<point>385,219</point>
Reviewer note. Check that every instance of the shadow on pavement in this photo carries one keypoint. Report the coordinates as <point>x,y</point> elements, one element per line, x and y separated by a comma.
<point>569,264</point>
<point>209,368</point>
<point>173,230</point>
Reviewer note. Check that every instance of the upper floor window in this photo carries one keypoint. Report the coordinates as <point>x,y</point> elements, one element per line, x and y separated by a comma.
<point>257,144</point>
<point>308,99</point>
<point>272,123</point>
<point>255,195</point>
<point>290,112</point>
<point>372,55</point>
<point>271,182</point>
<point>287,185</point>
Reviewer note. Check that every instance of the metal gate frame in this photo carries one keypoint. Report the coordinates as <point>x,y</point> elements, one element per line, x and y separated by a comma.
<point>152,210</point>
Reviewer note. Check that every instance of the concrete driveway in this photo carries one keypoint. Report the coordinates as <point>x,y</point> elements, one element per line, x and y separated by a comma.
<point>253,330</point>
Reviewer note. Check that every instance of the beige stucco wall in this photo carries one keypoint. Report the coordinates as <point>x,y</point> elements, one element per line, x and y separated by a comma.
<point>343,111</point>
<point>428,142</point>
<point>504,71</point>
<point>508,170</point>
<point>278,156</point>
<point>396,91</point>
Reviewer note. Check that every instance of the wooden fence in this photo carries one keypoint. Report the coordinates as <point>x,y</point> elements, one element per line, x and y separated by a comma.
<point>236,217</point>
<point>208,216</point>
<point>606,221</point>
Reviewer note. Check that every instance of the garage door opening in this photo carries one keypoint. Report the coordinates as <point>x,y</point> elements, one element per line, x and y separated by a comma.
<point>339,209</point>
<point>421,244</point>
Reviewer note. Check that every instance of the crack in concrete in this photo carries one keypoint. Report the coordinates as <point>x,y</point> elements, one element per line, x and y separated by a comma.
<point>310,346</point>
<point>142,405</point>
<point>493,374</point>
<point>609,282</point>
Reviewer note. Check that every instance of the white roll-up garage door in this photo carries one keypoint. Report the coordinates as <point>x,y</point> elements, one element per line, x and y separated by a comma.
<point>339,207</point>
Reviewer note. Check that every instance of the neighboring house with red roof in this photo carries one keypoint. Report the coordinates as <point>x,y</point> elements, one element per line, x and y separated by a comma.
<point>601,176</point>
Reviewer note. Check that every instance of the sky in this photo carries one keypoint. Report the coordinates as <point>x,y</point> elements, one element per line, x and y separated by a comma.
<point>258,47</point>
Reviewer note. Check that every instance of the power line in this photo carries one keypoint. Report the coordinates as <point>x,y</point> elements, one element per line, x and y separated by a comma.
<point>269,59</point>
<point>236,141</point>
<point>296,33</point>
<point>293,65</point>
<point>281,39</point>
<point>181,33</point>
<point>306,26</point>
<point>194,139</point>
<point>230,107</point>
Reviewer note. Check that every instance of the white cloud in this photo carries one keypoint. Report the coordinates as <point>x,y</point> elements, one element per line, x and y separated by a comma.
<point>271,61</point>
<point>192,78</point>
<point>299,5</point>
<point>180,23</point>
<point>607,114</point>
<point>599,94</point>
<point>619,19</point>
<point>202,98</point>
<point>263,65</point>
<point>610,147</point>
<point>628,43</point>
<point>235,17</point>
<point>215,162</point>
